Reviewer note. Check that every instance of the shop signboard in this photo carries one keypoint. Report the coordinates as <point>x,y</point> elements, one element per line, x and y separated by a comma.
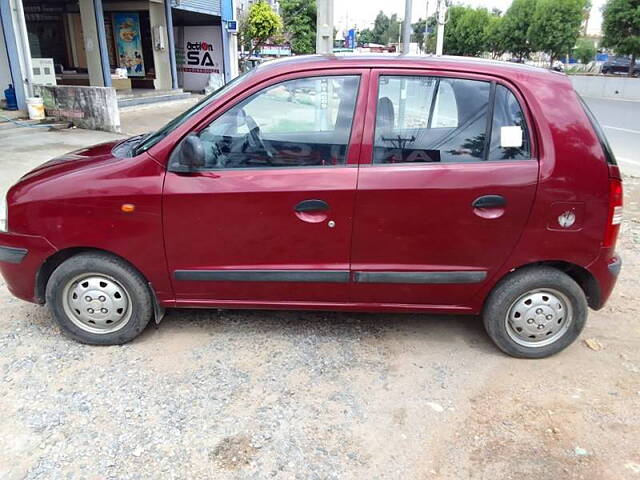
<point>201,57</point>
<point>126,30</point>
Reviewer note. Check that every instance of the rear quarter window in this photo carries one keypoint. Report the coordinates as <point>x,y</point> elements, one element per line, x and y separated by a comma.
<point>604,143</point>
<point>507,112</point>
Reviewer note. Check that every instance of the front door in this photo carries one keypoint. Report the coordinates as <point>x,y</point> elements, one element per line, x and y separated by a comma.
<point>269,216</point>
<point>442,198</point>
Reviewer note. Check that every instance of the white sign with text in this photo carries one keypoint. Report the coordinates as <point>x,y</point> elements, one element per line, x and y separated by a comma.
<point>201,56</point>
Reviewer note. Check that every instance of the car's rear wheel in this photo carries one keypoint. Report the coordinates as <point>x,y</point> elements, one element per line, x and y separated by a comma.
<point>99,299</point>
<point>535,312</point>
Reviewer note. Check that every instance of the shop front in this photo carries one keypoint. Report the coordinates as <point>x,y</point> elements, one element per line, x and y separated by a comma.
<point>134,34</point>
<point>132,45</point>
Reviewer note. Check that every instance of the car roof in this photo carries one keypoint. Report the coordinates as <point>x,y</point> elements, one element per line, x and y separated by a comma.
<point>382,60</point>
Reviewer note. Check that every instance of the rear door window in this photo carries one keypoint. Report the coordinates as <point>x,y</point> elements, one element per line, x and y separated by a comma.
<point>430,119</point>
<point>422,119</point>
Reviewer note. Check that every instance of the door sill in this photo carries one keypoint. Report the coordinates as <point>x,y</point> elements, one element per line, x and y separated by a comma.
<point>336,306</point>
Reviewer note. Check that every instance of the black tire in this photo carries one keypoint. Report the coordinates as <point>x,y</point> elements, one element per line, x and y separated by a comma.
<point>519,287</point>
<point>125,278</point>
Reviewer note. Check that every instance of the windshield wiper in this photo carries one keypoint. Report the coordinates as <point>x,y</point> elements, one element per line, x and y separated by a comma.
<point>139,140</point>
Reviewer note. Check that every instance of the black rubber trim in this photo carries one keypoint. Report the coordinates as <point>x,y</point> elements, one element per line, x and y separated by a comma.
<point>615,267</point>
<point>324,276</point>
<point>12,254</point>
<point>420,277</point>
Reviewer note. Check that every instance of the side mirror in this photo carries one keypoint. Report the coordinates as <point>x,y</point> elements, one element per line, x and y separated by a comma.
<point>511,137</point>
<point>191,152</point>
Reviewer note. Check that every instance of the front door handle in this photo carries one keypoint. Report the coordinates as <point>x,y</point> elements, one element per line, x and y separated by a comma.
<point>312,206</point>
<point>490,201</point>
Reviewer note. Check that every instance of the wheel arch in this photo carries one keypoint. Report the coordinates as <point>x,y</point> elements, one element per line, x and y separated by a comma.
<point>583,277</point>
<point>55,260</point>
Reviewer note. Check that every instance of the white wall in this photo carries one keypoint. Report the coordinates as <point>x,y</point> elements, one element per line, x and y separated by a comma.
<point>5,73</point>
<point>624,88</point>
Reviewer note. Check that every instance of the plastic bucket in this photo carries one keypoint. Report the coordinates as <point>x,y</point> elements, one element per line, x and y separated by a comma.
<point>35,106</point>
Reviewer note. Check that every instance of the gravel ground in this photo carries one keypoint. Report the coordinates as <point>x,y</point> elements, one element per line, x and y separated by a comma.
<point>239,394</point>
<point>250,394</point>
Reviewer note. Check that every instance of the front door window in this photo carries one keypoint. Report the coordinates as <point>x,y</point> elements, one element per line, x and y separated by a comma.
<point>298,123</point>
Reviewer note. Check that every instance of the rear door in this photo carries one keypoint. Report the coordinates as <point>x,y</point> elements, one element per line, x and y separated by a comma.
<point>269,216</point>
<point>441,203</point>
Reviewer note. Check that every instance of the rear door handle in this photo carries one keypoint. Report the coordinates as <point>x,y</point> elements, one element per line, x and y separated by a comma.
<point>312,206</point>
<point>490,201</point>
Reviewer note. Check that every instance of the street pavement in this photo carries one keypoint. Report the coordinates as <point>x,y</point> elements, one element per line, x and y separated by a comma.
<point>620,120</point>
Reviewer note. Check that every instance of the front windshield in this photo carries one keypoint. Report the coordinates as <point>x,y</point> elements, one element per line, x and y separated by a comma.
<point>158,135</point>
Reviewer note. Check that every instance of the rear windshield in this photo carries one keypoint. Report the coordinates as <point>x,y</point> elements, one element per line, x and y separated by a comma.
<point>608,153</point>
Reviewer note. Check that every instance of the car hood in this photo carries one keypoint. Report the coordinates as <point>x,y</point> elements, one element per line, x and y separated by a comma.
<point>75,160</point>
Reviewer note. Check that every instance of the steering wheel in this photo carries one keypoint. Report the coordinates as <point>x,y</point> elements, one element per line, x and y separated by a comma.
<point>255,139</point>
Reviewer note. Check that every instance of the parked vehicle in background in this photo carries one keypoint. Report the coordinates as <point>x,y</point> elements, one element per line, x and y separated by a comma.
<point>445,185</point>
<point>620,65</point>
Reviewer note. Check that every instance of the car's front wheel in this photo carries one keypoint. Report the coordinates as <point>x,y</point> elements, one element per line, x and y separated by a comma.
<point>535,312</point>
<point>99,299</point>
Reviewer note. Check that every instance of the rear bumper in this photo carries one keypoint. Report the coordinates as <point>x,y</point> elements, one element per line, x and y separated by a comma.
<point>20,259</point>
<point>12,254</point>
<point>606,269</point>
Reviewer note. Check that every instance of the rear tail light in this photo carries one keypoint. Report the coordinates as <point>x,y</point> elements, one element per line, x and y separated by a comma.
<point>614,217</point>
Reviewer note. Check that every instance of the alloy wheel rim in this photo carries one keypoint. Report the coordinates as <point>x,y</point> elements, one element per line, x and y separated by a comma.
<point>539,318</point>
<point>97,303</point>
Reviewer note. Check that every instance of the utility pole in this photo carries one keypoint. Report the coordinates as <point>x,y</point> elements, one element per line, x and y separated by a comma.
<point>425,38</point>
<point>324,33</point>
<point>442,19</point>
<point>406,27</point>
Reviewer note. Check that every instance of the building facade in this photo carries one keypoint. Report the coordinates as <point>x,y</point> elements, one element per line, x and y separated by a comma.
<point>161,44</point>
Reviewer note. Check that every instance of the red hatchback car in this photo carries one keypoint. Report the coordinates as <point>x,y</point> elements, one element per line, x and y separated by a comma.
<point>373,183</point>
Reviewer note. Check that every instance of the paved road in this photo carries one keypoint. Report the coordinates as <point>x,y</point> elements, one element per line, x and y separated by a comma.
<point>621,122</point>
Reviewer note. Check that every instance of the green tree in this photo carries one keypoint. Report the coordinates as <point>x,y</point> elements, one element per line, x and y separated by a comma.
<point>418,34</point>
<point>494,35</point>
<point>386,29</point>
<point>514,30</point>
<point>556,25</point>
<point>465,32</point>
<point>365,36</point>
<point>256,27</point>
<point>393,34</point>
<point>452,43</point>
<point>621,28</point>
<point>380,28</point>
<point>585,50</point>
<point>430,41</point>
<point>299,20</point>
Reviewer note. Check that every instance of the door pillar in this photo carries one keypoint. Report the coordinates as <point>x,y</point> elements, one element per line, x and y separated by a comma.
<point>95,42</point>
<point>171,43</point>
<point>161,49</point>
<point>14,53</point>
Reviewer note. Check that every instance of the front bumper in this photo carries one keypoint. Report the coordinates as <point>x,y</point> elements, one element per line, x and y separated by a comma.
<point>20,259</point>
